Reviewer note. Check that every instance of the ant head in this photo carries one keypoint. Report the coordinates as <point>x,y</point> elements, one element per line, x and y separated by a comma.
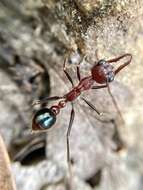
<point>102,72</point>
<point>43,119</point>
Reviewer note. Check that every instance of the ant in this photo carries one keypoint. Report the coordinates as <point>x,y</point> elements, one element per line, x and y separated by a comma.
<point>102,73</point>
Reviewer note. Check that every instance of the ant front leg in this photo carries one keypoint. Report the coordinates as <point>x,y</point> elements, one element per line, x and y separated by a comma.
<point>67,74</point>
<point>112,97</point>
<point>123,65</point>
<point>78,72</point>
<point>98,87</point>
<point>116,136</point>
<point>78,69</point>
<point>72,115</point>
<point>115,103</point>
<point>91,106</point>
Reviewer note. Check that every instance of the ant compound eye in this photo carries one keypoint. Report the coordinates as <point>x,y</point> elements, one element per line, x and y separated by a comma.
<point>102,62</point>
<point>43,119</point>
<point>110,76</point>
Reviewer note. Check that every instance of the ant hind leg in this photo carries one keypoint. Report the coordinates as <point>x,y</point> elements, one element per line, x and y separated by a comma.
<point>67,74</point>
<point>72,115</point>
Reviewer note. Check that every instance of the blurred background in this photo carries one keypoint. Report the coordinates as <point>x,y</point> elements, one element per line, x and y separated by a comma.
<point>35,38</point>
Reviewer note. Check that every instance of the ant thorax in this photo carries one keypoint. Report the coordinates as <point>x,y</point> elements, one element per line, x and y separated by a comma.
<point>102,72</point>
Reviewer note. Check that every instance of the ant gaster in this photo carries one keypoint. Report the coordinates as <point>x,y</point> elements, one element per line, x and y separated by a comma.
<point>102,73</point>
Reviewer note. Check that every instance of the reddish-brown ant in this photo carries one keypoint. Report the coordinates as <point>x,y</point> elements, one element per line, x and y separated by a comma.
<point>102,73</point>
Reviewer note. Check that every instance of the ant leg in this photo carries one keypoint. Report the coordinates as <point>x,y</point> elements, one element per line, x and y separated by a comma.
<point>78,68</point>
<point>114,102</point>
<point>45,100</point>
<point>66,73</point>
<point>120,145</point>
<point>98,87</point>
<point>91,106</point>
<point>78,72</point>
<point>72,115</point>
<point>113,99</point>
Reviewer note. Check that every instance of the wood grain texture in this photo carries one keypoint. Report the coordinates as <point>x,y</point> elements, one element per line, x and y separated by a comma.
<point>6,179</point>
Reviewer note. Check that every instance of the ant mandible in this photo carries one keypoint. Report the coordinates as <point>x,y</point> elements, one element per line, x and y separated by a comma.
<point>102,73</point>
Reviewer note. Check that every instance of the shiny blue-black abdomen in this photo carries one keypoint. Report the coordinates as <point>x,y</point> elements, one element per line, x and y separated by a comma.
<point>43,119</point>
